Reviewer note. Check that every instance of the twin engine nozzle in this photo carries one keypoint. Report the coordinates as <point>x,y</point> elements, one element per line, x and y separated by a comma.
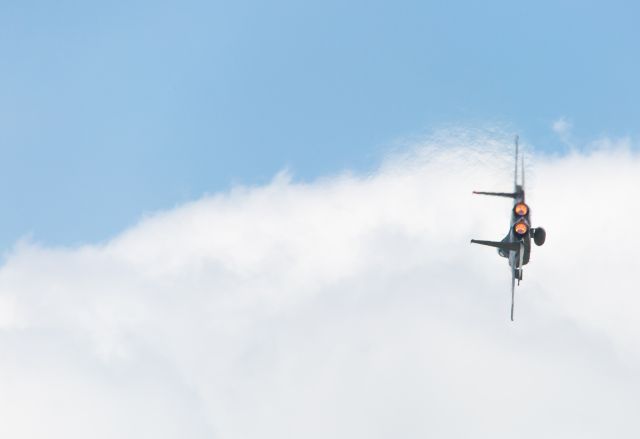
<point>521,227</point>
<point>521,209</point>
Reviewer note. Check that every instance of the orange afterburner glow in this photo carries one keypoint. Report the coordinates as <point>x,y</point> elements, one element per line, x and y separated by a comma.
<point>521,228</point>
<point>521,209</point>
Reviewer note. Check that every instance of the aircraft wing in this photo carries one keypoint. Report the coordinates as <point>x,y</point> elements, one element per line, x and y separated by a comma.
<point>513,290</point>
<point>509,246</point>
<point>496,194</point>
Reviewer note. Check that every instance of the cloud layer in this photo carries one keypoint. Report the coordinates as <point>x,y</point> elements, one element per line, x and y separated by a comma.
<point>352,306</point>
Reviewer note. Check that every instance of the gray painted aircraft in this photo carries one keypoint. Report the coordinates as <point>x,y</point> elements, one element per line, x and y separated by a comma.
<point>516,246</point>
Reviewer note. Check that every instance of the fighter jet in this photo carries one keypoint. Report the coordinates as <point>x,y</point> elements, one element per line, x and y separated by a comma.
<point>516,246</point>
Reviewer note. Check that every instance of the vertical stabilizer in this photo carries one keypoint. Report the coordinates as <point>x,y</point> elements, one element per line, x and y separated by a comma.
<point>515,178</point>
<point>522,169</point>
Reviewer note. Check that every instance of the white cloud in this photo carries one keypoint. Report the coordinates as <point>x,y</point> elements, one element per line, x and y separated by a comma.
<point>348,307</point>
<point>563,128</point>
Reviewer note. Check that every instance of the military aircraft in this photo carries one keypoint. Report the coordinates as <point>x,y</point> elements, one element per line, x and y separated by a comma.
<point>516,246</point>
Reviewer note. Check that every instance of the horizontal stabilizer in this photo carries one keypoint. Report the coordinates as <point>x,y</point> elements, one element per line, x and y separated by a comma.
<point>510,246</point>
<point>496,194</point>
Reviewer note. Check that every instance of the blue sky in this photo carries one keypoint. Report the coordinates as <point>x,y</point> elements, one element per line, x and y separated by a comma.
<point>114,109</point>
